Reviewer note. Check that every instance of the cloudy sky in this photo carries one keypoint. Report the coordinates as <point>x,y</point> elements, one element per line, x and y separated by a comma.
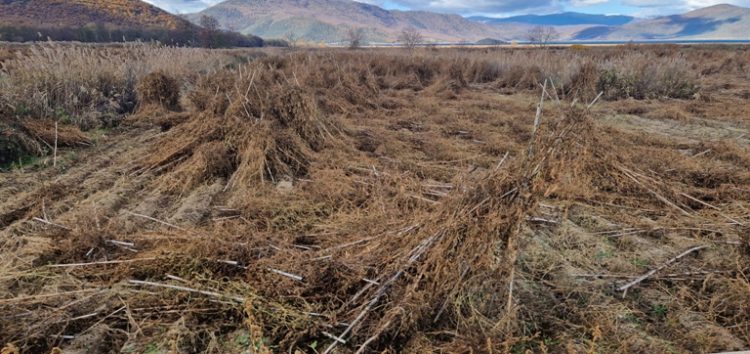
<point>500,8</point>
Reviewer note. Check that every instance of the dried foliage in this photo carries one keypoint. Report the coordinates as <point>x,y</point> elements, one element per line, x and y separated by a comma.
<point>339,201</point>
<point>159,89</point>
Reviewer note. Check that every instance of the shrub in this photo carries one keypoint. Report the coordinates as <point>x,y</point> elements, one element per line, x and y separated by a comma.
<point>14,145</point>
<point>584,83</point>
<point>642,76</point>
<point>482,71</point>
<point>676,82</point>
<point>158,88</point>
<point>523,77</point>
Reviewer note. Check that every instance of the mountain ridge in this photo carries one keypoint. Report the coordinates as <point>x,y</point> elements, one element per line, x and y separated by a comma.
<point>102,21</point>
<point>329,20</point>
<point>716,22</point>
<point>79,13</point>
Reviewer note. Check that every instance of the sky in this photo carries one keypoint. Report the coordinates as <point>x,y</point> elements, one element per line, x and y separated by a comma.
<point>504,8</point>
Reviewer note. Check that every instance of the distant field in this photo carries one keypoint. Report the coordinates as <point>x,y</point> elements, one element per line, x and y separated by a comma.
<point>582,199</point>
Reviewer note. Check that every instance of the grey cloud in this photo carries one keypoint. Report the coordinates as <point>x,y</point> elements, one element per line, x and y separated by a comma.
<point>475,6</point>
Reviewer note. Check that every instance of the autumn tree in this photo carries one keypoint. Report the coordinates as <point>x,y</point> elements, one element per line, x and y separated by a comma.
<point>410,38</point>
<point>209,31</point>
<point>542,35</point>
<point>355,37</point>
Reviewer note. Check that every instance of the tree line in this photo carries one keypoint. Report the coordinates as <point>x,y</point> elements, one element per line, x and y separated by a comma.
<point>209,36</point>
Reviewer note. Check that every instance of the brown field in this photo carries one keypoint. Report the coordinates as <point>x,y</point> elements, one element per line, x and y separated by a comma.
<point>563,200</point>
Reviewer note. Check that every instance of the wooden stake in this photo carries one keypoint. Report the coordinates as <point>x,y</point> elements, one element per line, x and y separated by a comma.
<point>595,100</point>
<point>539,108</point>
<point>54,156</point>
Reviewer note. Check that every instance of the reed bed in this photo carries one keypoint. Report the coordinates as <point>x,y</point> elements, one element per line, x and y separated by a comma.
<point>332,201</point>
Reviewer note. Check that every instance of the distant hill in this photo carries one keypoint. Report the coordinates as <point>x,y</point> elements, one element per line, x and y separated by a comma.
<point>490,41</point>
<point>710,23</point>
<point>560,19</point>
<point>106,21</point>
<point>79,13</point>
<point>329,20</point>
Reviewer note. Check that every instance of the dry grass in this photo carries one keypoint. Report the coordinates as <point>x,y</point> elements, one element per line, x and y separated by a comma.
<point>159,89</point>
<point>57,79</point>
<point>406,202</point>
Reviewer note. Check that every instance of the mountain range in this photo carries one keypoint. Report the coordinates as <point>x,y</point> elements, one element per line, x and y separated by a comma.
<point>726,22</point>
<point>329,20</point>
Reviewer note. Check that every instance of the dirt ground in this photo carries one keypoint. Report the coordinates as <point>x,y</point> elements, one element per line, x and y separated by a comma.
<point>369,215</point>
